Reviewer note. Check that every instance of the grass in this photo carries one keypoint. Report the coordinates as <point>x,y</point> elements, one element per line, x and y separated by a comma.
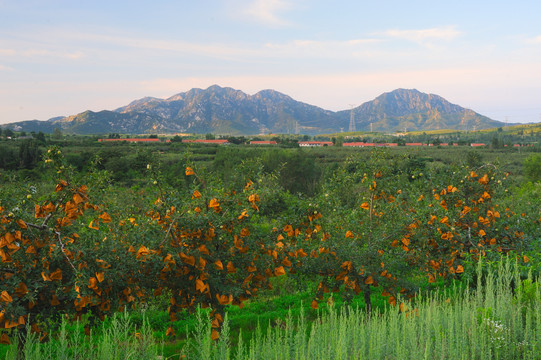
<point>498,317</point>
<point>489,322</point>
<point>121,339</point>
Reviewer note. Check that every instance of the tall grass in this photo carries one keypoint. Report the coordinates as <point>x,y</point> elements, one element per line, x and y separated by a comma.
<point>498,317</point>
<point>120,340</point>
<point>491,322</point>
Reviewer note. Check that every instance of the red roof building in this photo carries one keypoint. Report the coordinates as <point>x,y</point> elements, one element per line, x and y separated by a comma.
<point>414,144</point>
<point>353,144</point>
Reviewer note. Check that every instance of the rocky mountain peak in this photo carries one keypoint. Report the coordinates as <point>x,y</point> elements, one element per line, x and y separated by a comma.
<point>225,110</point>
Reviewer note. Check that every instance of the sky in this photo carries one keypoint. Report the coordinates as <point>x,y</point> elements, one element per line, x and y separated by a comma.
<point>62,57</point>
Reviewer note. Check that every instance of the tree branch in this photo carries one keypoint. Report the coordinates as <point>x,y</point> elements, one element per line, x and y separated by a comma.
<point>43,225</point>
<point>171,226</point>
<point>491,165</point>
<point>62,248</point>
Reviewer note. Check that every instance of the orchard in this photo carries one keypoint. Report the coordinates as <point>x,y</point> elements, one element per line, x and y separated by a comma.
<point>73,249</point>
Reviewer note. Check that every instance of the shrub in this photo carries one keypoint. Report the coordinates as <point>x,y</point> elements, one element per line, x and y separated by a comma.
<point>532,168</point>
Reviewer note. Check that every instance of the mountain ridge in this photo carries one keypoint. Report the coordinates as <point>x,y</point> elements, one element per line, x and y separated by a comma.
<point>229,111</point>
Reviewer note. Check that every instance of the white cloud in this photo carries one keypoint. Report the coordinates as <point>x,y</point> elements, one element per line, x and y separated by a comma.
<point>423,35</point>
<point>39,48</point>
<point>5,68</point>
<point>317,44</point>
<point>315,49</point>
<point>302,48</point>
<point>75,55</point>
<point>7,52</point>
<point>216,50</point>
<point>534,40</point>
<point>267,11</point>
<point>79,45</point>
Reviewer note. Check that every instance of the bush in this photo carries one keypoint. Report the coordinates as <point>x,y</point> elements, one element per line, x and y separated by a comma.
<point>532,168</point>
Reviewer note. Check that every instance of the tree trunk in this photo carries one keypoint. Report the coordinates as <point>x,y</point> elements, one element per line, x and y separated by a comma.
<point>22,334</point>
<point>367,300</point>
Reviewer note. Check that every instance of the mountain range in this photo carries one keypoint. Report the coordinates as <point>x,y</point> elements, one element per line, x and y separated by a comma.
<point>223,110</point>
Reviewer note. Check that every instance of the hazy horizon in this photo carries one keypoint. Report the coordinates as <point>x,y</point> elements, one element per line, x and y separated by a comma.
<point>60,58</point>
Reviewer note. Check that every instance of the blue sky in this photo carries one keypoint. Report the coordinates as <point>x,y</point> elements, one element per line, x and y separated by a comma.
<point>62,57</point>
